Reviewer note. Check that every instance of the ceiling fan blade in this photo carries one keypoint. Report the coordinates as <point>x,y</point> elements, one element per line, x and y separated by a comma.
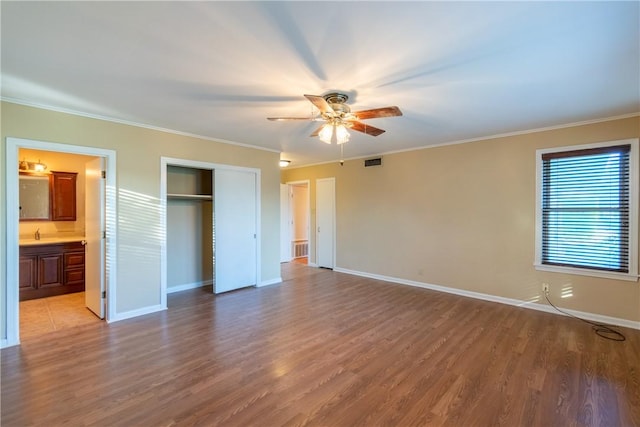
<point>317,131</point>
<point>365,128</point>
<point>320,102</point>
<point>282,119</point>
<point>378,112</point>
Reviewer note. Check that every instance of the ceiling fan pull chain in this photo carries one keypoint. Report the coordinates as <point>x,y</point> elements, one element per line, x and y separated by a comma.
<point>341,154</point>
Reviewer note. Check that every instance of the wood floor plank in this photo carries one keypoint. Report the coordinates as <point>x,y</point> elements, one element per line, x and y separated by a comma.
<point>325,349</point>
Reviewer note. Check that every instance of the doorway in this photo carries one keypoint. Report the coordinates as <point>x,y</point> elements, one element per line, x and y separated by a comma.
<point>224,227</point>
<point>295,222</point>
<point>17,147</point>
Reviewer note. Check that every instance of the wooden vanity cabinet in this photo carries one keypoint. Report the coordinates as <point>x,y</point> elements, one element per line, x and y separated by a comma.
<point>63,196</point>
<point>28,267</point>
<point>51,269</point>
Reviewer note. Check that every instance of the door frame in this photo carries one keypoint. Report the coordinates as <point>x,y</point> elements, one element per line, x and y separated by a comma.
<point>172,161</point>
<point>291,217</point>
<point>13,240</point>
<point>285,223</point>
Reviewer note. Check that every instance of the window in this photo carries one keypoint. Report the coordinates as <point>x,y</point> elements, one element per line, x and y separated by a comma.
<point>587,210</point>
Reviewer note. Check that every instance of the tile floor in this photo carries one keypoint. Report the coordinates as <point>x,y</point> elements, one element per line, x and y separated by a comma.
<point>40,316</point>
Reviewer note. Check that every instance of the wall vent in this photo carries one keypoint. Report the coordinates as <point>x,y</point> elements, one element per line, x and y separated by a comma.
<point>300,248</point>
<point>373,162</point>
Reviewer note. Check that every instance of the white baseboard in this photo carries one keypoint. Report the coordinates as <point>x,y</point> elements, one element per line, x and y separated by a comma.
<point>494,298</point>
<point>273,281</point>
<point>135,313</point>
<point>187,286</point>
<point>4,343</point>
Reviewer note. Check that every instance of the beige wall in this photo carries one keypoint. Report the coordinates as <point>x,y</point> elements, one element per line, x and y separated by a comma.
<point>138,189</point>
<point>463,216</point>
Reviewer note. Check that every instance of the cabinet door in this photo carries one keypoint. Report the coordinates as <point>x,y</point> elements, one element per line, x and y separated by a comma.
<point>28,273</point>
<point>63,196</point>
<point>50,270</point>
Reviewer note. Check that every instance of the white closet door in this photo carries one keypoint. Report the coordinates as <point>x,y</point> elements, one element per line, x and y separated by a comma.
<point>325,222</point>
<point>235,229</point>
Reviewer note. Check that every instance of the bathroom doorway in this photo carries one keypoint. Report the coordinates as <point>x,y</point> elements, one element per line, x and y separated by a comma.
<point>58,301</point>
<point>67,263</point>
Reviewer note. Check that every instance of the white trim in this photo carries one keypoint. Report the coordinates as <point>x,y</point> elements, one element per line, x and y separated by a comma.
<point>240,144</point>
<point>187,286</point>
<point>270,282</point>
<point>135,124</point>
<point>285,223</point>
<point>586,272</point>
<point>633,214</point>
<point>172,161</point>
<point>12,224</point>
<point>135,313</point>
<point>494,298</point>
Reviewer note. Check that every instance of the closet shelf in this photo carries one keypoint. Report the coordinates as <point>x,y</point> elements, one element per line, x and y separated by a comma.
<point>190,196</point>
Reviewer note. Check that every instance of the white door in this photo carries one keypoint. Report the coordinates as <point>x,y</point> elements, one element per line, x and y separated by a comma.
<point>325,222</point>
<point>285,224</point>
<point>235,227</point>
<point>95,243</point>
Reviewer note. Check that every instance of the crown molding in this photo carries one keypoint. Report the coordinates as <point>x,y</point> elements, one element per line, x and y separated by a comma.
<point>478,139</point>
<point>255,147</point>
<point>130,123</point>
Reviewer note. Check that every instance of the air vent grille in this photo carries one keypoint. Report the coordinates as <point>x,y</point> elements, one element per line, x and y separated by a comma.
<point>373,162</point>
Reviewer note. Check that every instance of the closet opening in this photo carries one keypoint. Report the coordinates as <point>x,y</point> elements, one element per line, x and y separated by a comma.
<point>211,227</point>
<point>189,228</point>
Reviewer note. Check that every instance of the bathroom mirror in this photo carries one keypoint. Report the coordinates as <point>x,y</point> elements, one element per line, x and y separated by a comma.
<point>34,197</point>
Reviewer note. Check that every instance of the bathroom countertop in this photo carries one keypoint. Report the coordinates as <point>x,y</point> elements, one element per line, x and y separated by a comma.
<point>50,240</point>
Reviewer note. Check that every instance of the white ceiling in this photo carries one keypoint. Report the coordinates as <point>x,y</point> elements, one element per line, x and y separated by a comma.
<point>457,70</point>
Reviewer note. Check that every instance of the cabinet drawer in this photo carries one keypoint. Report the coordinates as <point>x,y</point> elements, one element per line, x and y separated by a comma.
<point>73,259</point>
<point>72,277</point>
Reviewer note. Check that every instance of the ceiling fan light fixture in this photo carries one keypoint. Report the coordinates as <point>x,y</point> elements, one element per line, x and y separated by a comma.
<point>342,135</point>
<point>338,117</point>
<point>326,133</point>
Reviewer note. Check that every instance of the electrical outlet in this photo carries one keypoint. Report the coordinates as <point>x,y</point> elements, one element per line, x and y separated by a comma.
<point>545,288</point>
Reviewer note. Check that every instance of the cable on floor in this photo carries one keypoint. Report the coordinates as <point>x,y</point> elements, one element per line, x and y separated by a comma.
<point>605,331</point>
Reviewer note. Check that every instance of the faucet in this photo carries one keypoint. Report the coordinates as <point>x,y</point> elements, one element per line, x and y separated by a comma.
<point>37,234</point>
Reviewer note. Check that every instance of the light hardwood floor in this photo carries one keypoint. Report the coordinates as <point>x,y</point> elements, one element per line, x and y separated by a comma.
<point>325,349</point>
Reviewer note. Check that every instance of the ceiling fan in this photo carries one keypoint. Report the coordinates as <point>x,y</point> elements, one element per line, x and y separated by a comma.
<point>338,117</point>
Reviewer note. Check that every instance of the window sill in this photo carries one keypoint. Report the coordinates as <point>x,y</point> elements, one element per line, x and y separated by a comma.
<point>586,272</point>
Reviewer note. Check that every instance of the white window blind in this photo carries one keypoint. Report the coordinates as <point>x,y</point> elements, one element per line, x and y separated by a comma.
<point>585,208</point>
